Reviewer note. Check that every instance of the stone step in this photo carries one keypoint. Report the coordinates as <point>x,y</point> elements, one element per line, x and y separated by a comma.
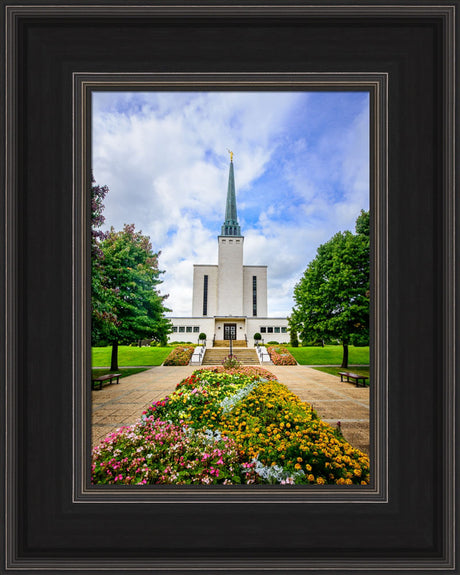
<point>224,343</point>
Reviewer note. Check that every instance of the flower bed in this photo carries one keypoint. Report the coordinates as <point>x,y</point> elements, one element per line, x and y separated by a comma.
<point>154,451</point>
<point>281,356</point>
<point>247,428</point>
<point>274,426</point>
<point>244,369</point>
<point>180,355</point>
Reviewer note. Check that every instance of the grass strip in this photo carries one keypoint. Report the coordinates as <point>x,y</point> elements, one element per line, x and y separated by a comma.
<point>329,355</point>
<point>336,370</point>
<point>130,356</point>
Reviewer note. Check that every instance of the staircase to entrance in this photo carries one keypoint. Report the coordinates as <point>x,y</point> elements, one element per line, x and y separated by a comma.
<point>216,355</point>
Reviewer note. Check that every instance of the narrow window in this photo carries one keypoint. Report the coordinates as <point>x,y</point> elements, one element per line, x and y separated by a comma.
<point>181,329</point>
<point>277,329</point>
<point>270,329</point>
<point>196,329</point>
<point>174,328</point>
<point>263,330</point>
<point>189,329</point>
<point>283,330</point>
<point>254,295</point>
<point>205,295</point>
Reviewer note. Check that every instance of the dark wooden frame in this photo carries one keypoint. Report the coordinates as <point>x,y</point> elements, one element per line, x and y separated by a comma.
<point>54,522</point>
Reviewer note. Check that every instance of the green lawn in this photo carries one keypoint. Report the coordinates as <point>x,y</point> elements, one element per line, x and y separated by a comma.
<point>329,355</point>
<point>335,371</point>
<point>128,356</point>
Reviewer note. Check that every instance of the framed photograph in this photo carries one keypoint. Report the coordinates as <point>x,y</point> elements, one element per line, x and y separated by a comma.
<point>58,62</point>
<point>285,204</point>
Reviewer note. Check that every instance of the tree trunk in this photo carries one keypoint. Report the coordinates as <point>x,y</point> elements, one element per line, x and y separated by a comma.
<point>345,355</point>
<point>114,361</point>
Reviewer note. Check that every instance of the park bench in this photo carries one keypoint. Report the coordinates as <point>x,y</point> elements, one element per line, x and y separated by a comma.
<point>357,378</point>
<point>110,376</point>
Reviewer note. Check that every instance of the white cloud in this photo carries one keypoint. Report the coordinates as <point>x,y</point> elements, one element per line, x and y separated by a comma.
<point>164,158</point>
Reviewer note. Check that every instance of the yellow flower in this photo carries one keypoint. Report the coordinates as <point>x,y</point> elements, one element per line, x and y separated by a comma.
<point>308,467</point>
<point>298,466</point>
<point>299,459</point>
<point>320,481</point>
<point>311,477</point>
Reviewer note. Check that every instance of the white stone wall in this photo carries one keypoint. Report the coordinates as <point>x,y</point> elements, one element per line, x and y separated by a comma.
<point>230,276</point>
<point>199,271</point>
<point>187,329</point>
<point>254,325</point>
<point>261,273</point>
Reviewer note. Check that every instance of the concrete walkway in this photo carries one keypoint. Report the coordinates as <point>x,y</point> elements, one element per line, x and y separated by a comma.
<point>122,404</point>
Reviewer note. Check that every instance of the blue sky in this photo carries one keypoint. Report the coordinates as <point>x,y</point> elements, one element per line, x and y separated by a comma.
<point>301,163</point>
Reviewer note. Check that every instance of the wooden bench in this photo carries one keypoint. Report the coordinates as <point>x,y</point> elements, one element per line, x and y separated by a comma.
<point>357,378</point>
<point>98,380</point>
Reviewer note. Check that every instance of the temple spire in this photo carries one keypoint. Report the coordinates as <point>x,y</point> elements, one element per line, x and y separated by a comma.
<point>230,226</point>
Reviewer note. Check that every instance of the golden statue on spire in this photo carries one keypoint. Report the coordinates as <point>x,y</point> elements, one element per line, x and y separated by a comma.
<point>231,154</point>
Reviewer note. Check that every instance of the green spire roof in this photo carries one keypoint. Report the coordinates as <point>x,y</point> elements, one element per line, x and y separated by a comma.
<point>230,226</point>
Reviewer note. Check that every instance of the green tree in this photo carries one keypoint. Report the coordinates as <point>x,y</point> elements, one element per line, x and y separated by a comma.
<point>363,223</point>
<point>131,269</point>
<point>332,298</point>
<point>102,317</point>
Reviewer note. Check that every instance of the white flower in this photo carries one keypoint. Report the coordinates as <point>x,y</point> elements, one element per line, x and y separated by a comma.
<point>228,403</point>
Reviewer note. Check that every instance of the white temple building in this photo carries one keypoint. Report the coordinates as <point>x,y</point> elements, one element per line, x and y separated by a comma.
<point>230,298</point>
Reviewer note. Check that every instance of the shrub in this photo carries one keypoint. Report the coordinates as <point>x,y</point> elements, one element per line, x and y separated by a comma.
<point>180,355</point>
<point>293,339</point>
<point>257,336</point>
<point>273,342</point>
<point>202,336</point>
<point>281,356</point>
<point>231,362</point>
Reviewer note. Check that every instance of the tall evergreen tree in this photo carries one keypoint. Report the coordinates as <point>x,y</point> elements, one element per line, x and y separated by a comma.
<point>332,298</point>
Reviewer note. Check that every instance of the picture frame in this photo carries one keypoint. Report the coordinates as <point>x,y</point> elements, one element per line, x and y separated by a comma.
<point>53,57</point>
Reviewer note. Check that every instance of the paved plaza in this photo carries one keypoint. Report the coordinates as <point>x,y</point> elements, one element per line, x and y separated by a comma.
<point>122,404</point>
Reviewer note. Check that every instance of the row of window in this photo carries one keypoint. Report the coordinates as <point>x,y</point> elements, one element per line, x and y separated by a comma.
<point>266,329</point>
<point>196,329</point>
<point>254,295</point>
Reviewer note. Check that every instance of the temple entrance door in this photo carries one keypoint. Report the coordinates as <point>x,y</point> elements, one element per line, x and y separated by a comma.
<point>230,331</point>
